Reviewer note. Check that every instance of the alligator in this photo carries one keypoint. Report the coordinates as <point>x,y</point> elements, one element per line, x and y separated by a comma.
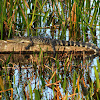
<point>54,42</point>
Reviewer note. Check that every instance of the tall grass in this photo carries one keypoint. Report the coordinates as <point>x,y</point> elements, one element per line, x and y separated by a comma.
<point>22,16</point>
<point>77,19</point>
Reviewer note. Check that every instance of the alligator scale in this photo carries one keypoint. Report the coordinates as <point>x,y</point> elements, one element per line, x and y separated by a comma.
<point>54,42</point>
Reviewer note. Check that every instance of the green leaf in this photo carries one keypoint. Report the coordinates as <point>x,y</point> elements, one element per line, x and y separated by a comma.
<point>42,80</point>
<point>37,95</point>
<point>30,89</point>
<point>8,58</point>
<point>46,14</point>
<point>1,83</point>
<point>64,84</point>
<point>94,15</point>
<point>98,65</point>
<point>97,77</point>
<point>33,17</point>
<point>74,79</point>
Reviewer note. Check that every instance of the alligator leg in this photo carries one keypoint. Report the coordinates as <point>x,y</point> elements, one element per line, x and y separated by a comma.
<point>30,44</point>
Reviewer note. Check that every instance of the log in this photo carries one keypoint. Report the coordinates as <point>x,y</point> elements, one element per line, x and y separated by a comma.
<point>19,48</point>
<point>6,46</point>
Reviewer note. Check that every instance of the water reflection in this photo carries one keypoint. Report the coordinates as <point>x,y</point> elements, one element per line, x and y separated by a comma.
<point>38,72</point>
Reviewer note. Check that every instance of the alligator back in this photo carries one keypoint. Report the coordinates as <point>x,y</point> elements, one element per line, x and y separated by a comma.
<point>55,42</point>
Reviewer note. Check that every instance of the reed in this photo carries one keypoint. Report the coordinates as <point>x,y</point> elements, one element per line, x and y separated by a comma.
<point>77,19</point>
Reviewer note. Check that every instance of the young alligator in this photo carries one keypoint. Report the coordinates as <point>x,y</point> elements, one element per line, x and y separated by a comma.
<point>54,42</point>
